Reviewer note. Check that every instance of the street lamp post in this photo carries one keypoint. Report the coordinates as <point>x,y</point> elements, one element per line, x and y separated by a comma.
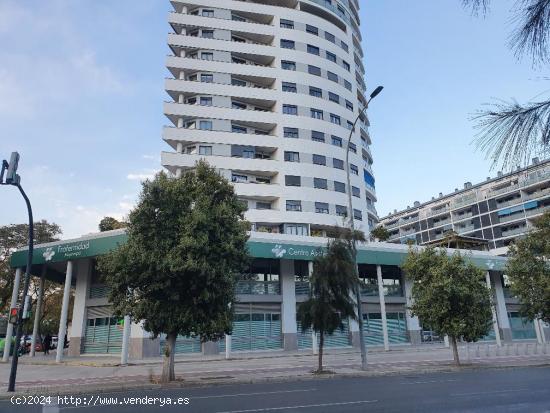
<point>354,242</point>
<point>13,179</point>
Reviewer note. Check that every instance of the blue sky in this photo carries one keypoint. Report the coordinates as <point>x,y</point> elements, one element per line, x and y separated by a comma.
<point>81,93</point>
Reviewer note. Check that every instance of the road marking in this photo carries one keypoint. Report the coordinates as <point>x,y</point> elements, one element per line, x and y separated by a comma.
<point>489,392</point>
<point>429,381</point>
<point>305,406</point>
<point>250,394</point>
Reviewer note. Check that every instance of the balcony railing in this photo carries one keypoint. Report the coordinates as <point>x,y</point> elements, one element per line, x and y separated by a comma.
<point>302,287</point>
<point>437,211</point>
<point>462,230</point>
<point>510,188</point>
<point>512,232</point>
<point>541,176</point>
<point>258,287</point>
<point>538,194</point>
<point>509,203</point>
<point>466,200</point>
<point>536,211</point>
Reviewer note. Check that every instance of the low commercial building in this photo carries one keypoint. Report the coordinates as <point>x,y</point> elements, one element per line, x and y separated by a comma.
<point>499,210</point>
<point>265,311</point>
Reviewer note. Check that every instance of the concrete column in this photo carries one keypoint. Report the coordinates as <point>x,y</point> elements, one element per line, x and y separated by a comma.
<point>125,340</point>
<point>382,307</point>
<point>83,275</point>
<point>545,330</point>
<point>446,341</point>
<point>64,313</point>
<point>38,310</point>
<point>314,345</point>
<point>179,147</point>
<point>228,346</point>
<point>354,325</point>
<point>538,331</point>
<point>180,122</point>
<point>502,313</point>
<point>288,306</point>
<point>178,173</point>
<point>182,73</point>
<point>13,303</point>
<point>493,311</point>
<point>413,323</point>
<point>181,98</point>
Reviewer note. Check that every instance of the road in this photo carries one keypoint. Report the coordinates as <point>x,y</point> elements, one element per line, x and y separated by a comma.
<point>487,390</point>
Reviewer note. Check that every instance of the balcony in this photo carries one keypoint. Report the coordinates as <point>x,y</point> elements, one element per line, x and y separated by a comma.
<point>495,192</point>
<point>513,232</point>
<point>258,288</point>
<point>511,202</point>
<point>513,217</point>
<point>535,177</point>
<point>465,200</point>
<point>464,229</point>
<point>438,211</point>
<point>302,288</point>
<point>538,194</point>
<point>537,211</point>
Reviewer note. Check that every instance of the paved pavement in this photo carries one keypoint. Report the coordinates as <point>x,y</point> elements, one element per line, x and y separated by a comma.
<point>487,391</point>
<point>86,374</point>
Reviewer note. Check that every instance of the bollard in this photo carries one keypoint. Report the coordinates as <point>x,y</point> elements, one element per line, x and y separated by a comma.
<point>526,349</point>
<point>477,351</point>
<point>487,353</point>
<point>517,350</point>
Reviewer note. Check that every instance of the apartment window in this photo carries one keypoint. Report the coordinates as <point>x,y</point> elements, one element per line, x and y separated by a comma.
<point>333,97</point>
<point>331,57</point>
<point>357,215</point>
<point>205,125</point>
<point>260,132</point>
<point>238,39</point>
<point>207,56</point>
<point>320,183</point>
<point>293,205</point>
<point>290,109</point>
<point>237,18</point>
<point>192,101</point>
<point>287,24</point>
<point>206,101</point>
<point>296,229</point>
<point>190,149</point>
<point>207,34</point>
<point>317,136</point>
<point>263,205</point>
<point>349,105</point>
<point>288,65</point>
<point>347,85</point>
<point>290,133</point>
<point>238,82</point>
<point>205,150</point>
<point>238,60</point>
<point>332,76</point>
<point>239,178</point>
<point>312,29</point>
<point>349,125</point>
<point>207,78</point>
<point>293,180</point>
<point>248,153</point>
<point>238,129</point>
<point>207,13</point>
<point>356,191</point>
<point>321,207</point>
<point>292,156</point>
<point>316,113</point>
<point>314,70</point>
<point>319,159</point>
<point>330,37</point>
<point>346,65</point>
<point>352,147</point>
<point>339,186</point>
<point>287,44</point>
<point>335,119</point>
<point>263,180</point>
<point>238,105</point>
<point>337,163</point>
<point>341,211</point>
<point>315,91</point>
<point>344,46</point>
<point>353,169</point>
<point>289,87</point>
<point>313,49</point>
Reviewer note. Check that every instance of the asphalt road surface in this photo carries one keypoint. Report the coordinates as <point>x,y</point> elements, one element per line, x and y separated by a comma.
<point>498,390</point>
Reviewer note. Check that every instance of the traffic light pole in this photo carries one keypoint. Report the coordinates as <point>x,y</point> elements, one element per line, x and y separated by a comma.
<point>19,325</point>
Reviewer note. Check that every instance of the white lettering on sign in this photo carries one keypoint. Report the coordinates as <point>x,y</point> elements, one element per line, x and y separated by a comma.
<point>73,250</point>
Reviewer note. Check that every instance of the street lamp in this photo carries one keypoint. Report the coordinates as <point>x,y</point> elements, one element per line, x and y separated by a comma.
<point>352,229</point>
<point>12,178</point>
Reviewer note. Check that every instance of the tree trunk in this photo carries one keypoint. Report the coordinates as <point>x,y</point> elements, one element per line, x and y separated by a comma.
<point>321,343</point>
<point>168,359</point>
<point>455,350</point>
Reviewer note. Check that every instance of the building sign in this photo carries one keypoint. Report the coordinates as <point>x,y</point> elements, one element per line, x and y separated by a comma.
<point>284,251</point>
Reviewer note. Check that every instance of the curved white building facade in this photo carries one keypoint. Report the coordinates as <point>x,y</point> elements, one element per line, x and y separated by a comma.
<point>267,91</point>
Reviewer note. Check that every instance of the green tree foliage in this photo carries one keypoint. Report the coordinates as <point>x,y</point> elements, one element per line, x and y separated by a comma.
<point>380,233</point>
<point>110,223</point>
<point>177,272</point>
<point>330,302</point>
<point>529,270</point>
<point>449,294</point>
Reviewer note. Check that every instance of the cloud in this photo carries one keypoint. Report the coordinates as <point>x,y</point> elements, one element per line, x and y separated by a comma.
<point>142,176</point>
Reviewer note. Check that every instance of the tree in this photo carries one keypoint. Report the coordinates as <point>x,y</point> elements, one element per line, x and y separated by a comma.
<point>449,294</point>
<point>509,131</point>
<point>15,236</point>
<point>110,223</point>
<point>529,270</point>
<point>330,302</point>
<point>177,271</point>
<point>380,233</point>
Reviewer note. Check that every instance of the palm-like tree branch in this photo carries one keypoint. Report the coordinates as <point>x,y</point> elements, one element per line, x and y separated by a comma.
<point>476,6</point>
<point>513,133</point>
<point>533,34</point>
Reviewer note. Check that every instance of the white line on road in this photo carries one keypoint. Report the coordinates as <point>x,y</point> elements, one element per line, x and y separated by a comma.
<point>428,381</point>
<point>489,392</point>
<point>305,406</point>
<point>249,394</point>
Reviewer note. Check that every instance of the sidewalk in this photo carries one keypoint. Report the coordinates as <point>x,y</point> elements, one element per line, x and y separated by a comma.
<point>88,374</point>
